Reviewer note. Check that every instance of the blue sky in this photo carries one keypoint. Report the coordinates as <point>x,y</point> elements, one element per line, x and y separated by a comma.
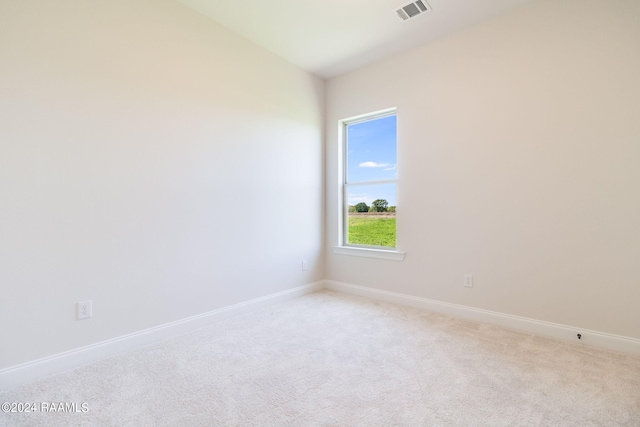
<point>372,156</point>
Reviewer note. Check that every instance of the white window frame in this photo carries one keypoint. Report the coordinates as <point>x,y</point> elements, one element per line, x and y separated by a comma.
<point>343,248</point>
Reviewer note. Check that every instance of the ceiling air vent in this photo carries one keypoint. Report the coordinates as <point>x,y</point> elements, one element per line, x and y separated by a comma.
<point>413,9</point>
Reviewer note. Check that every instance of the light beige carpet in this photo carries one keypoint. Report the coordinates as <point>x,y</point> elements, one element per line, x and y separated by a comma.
<point>329,359</point>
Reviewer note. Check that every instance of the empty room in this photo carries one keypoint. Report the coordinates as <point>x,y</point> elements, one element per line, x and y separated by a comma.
<point>320,213</point>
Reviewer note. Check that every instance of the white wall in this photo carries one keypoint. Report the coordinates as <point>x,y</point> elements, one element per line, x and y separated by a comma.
<point>151,161</point>
<point>519,163</point>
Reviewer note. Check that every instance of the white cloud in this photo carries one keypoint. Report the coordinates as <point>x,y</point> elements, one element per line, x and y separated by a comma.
<point>373,165</point>
<point>392,168</point>
<point>354,198</point>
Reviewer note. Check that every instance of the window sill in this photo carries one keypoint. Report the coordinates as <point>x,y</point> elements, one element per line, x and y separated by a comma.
<point>369,253</point>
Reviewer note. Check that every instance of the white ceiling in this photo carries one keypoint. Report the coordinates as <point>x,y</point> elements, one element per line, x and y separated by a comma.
<point>331,37</point>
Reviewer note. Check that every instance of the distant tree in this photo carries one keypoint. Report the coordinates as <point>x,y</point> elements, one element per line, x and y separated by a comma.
<point>380,205</point>
<point>362,207</point>
<point>372,209</point>
<point>352,208</point>
<point>391,209</point>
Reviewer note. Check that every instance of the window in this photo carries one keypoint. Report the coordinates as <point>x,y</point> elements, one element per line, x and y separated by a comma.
<point>369,185</point>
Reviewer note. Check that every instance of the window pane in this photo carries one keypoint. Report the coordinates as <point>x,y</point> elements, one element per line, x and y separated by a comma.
<point>371,218</point>
<point>371,152</point>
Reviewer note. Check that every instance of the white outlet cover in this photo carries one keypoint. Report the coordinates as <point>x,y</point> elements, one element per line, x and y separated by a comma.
<point>84,309</point>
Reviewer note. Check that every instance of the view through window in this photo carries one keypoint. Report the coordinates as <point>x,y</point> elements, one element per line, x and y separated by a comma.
<point>370,181</point>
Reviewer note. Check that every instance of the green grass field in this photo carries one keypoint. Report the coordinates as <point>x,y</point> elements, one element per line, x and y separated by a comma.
<point>374,231</point>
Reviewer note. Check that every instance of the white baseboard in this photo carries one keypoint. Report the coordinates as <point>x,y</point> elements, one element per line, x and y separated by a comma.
<point>23,373</point>
<point>616,343</point>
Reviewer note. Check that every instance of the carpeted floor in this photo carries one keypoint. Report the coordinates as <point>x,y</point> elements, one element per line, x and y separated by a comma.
<point>329,359</point>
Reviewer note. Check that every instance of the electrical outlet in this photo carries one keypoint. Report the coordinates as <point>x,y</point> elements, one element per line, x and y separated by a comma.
<point>305,265</point>
<point>468,281</point>
<point>84,310</point>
